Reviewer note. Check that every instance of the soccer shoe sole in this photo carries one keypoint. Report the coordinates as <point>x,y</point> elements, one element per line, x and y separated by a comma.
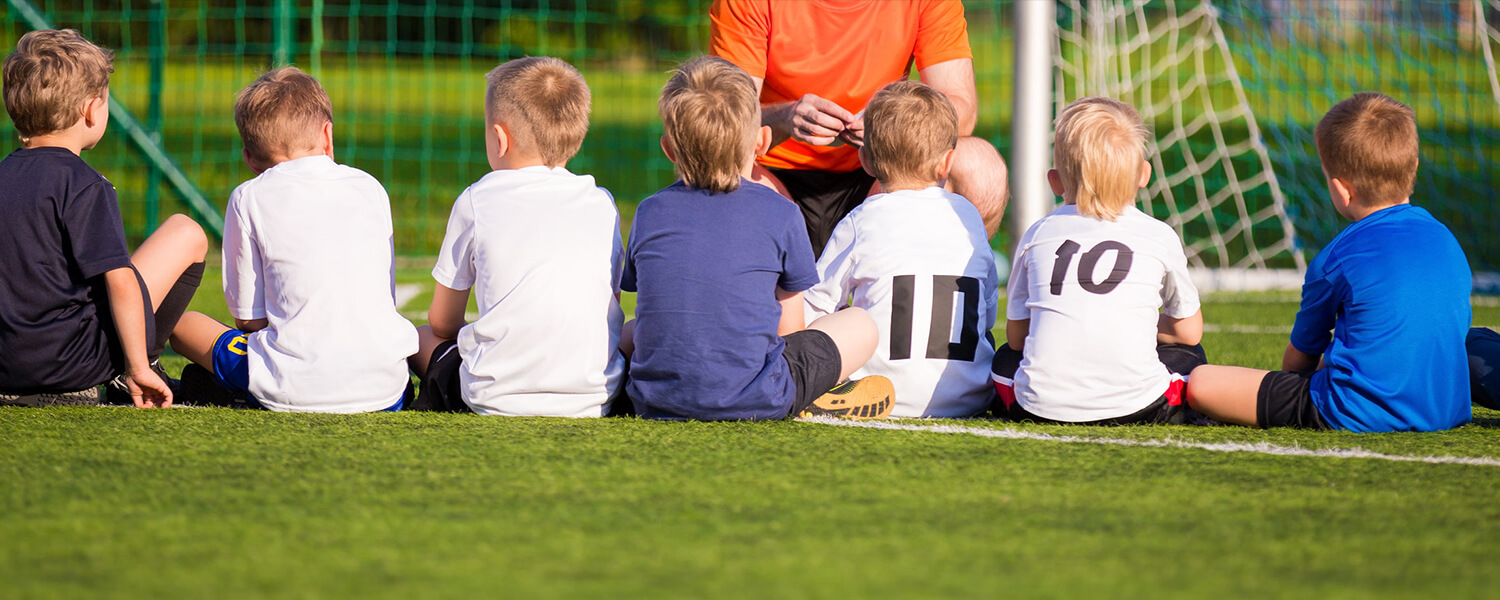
<point>872,397</point>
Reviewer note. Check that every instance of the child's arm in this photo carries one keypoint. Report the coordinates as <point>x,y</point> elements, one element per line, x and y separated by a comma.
<point>835,274</point>
<point>1299,361</point>
<point>127,306</point>
<point>1187,331</point>
<point>791,312</point>
<point>447,313</point>
<point>1016,332</point>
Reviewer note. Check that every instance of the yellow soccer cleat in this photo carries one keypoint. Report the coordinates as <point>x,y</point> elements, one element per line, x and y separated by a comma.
<point>872,397</point>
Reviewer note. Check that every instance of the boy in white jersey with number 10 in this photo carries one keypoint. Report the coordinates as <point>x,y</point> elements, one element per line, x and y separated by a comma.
<point>1103,321</point>
<point>917,258</point>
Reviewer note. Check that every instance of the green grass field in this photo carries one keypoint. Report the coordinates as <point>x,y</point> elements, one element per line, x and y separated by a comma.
<point>115,502</point>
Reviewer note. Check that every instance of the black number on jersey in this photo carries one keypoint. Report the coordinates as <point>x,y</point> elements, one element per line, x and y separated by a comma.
<point>1124,257</point>
<point>941,328</point>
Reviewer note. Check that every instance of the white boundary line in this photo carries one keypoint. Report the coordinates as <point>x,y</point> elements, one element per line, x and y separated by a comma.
<point>1256,448</point>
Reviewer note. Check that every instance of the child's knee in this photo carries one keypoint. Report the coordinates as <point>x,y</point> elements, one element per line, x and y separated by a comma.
<point>187,234</point>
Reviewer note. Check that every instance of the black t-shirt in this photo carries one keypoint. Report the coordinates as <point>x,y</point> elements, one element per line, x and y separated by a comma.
<point>60,231</point>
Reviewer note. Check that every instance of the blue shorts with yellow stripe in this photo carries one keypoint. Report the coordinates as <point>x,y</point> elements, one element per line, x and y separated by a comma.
<point>232,361</point>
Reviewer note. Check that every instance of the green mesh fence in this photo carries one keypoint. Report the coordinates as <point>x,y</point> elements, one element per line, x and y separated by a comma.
<point>407,84</point>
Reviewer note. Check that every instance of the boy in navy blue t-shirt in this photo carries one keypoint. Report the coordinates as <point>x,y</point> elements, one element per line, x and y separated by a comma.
<point>719,265</point>
<point>76,308</point>
<point>1378,344</point>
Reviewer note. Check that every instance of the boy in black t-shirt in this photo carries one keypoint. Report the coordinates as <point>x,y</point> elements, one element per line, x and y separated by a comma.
<point>76,308</point>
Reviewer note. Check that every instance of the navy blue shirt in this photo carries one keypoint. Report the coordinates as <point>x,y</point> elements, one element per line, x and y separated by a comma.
<point>60,230</point>
<point>1393,290</point>
<point>706,268</point>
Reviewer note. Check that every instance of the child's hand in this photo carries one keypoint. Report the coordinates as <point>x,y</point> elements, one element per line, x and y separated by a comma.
<point>147,390</point>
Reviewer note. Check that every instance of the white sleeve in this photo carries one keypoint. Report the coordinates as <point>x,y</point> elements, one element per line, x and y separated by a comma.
<point>455,263</point>
<point>616,258</point>
<point>1019,286</point>
<point>1179,297</point>
<point>834,269</point>
<point>244,283</point>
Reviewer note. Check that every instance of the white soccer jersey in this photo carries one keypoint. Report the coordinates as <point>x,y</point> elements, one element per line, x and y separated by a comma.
<point>920,263</point>
<point>308,246</point>
<point>1094,291</point>
<point>541,247</point>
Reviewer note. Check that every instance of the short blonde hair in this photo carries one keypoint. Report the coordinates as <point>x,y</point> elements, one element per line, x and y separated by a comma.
<point>281,113</point>
<point>710,114</point>
<point>543,103</point>
<point>1370,141</point>
<point>50,77</point>
<point>908,126</point>
<point>1098,150</point>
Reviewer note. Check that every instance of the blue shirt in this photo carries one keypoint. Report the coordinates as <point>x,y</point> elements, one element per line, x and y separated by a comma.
<point>706,267</point>
<point>1393,288</point>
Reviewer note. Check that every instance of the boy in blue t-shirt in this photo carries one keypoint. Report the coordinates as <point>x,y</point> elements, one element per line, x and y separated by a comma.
<point>77,309</point>
<point>719,265</point>
<point>1378,344</point>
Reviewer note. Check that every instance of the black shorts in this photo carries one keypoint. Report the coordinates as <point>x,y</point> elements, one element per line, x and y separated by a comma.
<point>815,363</point>
<point>825,197</point>
<point>1285,400</point>
<point>441,390</point>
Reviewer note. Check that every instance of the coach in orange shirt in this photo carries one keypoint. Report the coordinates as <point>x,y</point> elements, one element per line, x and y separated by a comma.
<point>817,64</point>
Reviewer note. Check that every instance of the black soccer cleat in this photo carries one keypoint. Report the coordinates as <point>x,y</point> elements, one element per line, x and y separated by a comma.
<point>872,397</point>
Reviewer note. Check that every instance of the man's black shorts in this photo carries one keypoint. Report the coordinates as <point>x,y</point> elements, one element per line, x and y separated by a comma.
<point>825,197</point>
<point>1285,400</point>
<point>815,363</point>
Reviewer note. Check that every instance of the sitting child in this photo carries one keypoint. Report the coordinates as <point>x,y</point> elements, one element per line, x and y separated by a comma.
<point>719,264</point>
<point>1483,346</point>
<point>1103,320</point>
<point>76,308</point>
<point>308,268</point>
<point>1378,344</point>
<point>541,247</point>
<point>887,254</point>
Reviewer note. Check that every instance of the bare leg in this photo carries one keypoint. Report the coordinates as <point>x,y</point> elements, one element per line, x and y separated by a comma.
<point>1227,394</point>
<point>761,175</point>
<point>627,339</point>
<point>163,257</point>
<point>427,341</point>
<point>979,174</point>
<point>194,338</point>
<point>854,332</point>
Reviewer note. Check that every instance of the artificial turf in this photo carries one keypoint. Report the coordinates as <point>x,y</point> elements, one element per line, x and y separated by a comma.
<point>117,502</point>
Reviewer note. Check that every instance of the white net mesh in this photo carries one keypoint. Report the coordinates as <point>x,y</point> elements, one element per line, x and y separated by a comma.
<point>1489,37</point>
<point>1212,179</point>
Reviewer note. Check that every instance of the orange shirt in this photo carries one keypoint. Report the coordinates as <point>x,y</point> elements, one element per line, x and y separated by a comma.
<point>841,50</point>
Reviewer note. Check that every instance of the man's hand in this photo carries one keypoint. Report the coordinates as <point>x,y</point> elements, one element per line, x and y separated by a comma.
<point>820,122</point>
<point>854,131</point>
<point>147,389</point>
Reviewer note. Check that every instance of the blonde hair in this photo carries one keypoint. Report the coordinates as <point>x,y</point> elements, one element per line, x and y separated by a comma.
<point>281,113</point>
<point>50,77</point>
<point>908,126</point>
<point>1370,141</point>
<point>710,114</point>
<point>1098,150</point>
<point>543,103</point>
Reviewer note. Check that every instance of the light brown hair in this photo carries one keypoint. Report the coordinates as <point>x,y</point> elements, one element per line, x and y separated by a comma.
<point>281,113</point>
<point>710,115</point>
<point>543,102</point>
<point>1099,146</point>
<point>908,126</point>
<point>1370,142</point>
<point>50,77</point>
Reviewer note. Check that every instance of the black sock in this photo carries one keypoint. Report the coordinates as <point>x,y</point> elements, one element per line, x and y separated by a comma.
<point>174,305</point>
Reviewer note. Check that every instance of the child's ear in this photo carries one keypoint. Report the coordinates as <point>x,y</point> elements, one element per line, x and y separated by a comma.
<point>328,139</point>
<point>255,166</point>
<point>1054,180</point>
<point>945,165</point>
<point>763,141</point>
<point>1145,178</point>
<point>502,140</point>
<point>1342,192</point>
<point>666,148</point>
<point>864,161</point>
<point>91,108</point>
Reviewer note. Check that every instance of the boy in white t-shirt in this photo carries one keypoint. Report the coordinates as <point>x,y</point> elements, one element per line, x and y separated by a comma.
<point>541,247</point>
<point>308,268</point>
<point>917,258</point>
<point>1103,320</point>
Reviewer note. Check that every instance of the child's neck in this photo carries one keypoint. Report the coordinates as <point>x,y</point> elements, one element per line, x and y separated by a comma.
<point>1357,213</point>
<point>511,162</point>
<point>68,138</point>
<point>901,186</point>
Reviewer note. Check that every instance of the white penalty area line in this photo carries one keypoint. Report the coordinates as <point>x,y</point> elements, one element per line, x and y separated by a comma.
<point>1257,448</point>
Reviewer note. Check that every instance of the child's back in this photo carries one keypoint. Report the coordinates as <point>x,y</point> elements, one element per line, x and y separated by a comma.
<point>1394,289</point>
<point>308,247</point>
<point>706,327</point>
